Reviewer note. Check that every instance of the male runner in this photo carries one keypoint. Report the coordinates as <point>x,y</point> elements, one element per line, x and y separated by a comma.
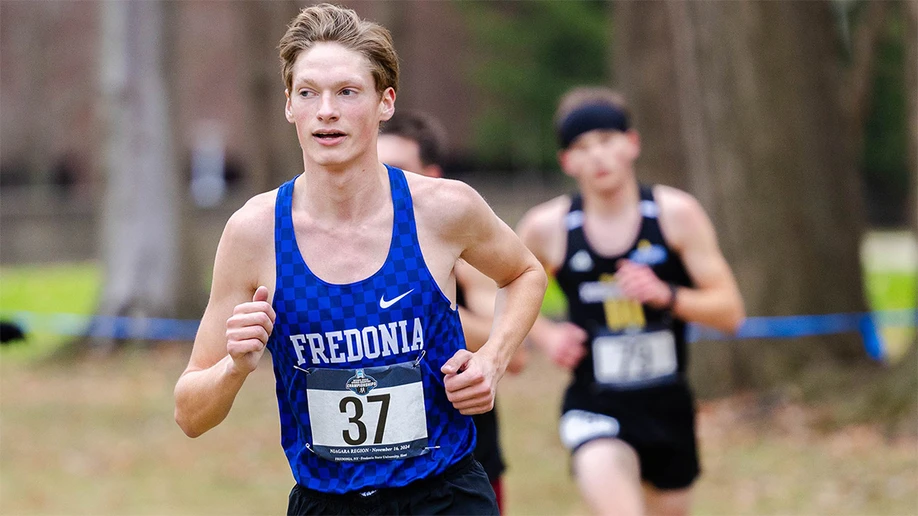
<point>635,263</point>
<point>415,142</point>
<point>346,273</point>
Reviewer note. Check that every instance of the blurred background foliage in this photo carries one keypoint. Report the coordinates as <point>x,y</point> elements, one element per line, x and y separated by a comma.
<point>886,139</point>
<point>527,54</point>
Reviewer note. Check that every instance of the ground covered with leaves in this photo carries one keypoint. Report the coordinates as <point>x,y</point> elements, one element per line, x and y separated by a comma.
<point>96,436</point>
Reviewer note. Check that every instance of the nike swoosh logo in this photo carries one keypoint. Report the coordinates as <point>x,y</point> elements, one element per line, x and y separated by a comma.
<point>384,303</point>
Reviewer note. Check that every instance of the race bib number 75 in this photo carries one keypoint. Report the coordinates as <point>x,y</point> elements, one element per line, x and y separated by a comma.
<point>635,360</point>
<point>367,414</point>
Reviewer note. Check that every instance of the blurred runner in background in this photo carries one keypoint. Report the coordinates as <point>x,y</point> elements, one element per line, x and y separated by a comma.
<point>635,262</point>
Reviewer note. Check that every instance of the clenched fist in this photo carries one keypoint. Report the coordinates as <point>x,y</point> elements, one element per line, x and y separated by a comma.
<point>248,329</point>
<point>566,344</point>
<point>470,381</point>
<point>637,281</point>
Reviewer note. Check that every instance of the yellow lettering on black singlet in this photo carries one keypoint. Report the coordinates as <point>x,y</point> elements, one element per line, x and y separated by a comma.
<point>622,313</point>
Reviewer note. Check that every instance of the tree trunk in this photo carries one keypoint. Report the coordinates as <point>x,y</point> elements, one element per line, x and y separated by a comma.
<point>643,70</point>
<point>191,298</point>
<point>740,97</point>
<point>275,154</point>
<point>139,216</point>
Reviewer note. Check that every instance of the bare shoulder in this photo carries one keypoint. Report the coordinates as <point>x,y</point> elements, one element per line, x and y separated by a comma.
<point>548,216</point>
<point>450,205</point>
<point>441,194</point>
<point>543,230</point>
<point>254,221</point>
<point>246,249</point>
<point>682,217</point>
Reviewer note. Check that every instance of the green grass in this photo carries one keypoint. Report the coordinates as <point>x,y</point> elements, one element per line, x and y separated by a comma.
<point>63,288</point>
<point>891,290</point>
<point>96,436</point>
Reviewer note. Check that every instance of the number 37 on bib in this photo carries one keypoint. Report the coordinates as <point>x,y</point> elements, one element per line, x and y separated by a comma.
<point>374,413</point>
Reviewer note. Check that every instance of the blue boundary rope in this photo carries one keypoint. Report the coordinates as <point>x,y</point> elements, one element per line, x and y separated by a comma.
<point>786,327</point>
<point>782,327</point>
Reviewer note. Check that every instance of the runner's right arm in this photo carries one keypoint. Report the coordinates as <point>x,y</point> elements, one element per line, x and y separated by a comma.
<point>236,323</point>
<point>542,230</point>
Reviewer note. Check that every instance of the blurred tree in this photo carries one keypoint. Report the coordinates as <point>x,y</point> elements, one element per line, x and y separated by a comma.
<point>140,224</point>
<point>530,53</point>
<point>192,266</point>
<point>911,82</point>
<point>893,397</point>
<point>274,155</point>
<point>757,108</point>
<point>269,148</point>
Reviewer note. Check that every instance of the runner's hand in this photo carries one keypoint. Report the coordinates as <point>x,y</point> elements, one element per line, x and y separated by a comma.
<point>247,331</point>
<point>638,282</point>
<point>470,381</point>
<point>566,344</point>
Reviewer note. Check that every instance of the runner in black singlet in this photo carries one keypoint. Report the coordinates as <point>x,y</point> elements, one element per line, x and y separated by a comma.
<point>635,264</point>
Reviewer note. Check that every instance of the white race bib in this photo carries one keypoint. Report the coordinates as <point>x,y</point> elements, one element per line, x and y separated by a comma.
<point>367,414</point>
<point>631,360</point>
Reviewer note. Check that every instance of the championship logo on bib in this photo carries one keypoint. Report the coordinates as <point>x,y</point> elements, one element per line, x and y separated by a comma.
<point>360,383</point>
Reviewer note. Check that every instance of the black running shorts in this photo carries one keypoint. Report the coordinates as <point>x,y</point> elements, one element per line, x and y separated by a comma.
<point>658,423</point>
<point>462,489</point>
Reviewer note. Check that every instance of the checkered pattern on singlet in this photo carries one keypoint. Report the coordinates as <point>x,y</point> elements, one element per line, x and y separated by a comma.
<point>306,304</point>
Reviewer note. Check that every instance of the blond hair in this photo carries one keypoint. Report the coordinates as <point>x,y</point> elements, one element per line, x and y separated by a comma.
<point>333,24</point>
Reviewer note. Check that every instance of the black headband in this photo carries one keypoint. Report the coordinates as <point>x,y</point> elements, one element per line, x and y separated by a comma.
<point>589,117</point>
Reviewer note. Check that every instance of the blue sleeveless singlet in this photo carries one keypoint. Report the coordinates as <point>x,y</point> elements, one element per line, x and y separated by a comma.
<point>360,393</point>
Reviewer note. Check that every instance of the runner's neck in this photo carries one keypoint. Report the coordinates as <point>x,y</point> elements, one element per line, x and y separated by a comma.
<point>346,197</point>
<point>614,203</point>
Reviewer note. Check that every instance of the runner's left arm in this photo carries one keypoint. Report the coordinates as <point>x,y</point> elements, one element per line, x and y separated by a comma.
<point>714,300</point>
<point>494,249</point>
<point>479,292</point>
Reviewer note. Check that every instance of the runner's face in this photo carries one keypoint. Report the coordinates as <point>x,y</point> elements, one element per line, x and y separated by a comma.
<point>602,159</point>
<point>400,152</point>
<point>335,106</point>
<point>404,153</point>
